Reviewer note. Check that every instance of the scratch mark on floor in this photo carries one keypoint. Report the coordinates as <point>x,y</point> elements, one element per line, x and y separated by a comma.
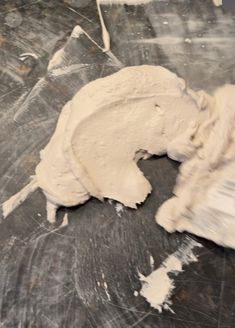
<point>221,292</point>
<point>52,322</point>
<point>79,14</point>
<point>140,319</point>
<point>20,7</point>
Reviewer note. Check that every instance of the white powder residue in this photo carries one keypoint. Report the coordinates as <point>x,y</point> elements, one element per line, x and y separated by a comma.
<point>119,209</point>
<point>158,286</point>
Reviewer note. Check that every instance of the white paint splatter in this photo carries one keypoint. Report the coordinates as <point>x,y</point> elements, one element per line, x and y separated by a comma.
<point>119,209</point>
<point>158,286</point>
<point>136,293</point>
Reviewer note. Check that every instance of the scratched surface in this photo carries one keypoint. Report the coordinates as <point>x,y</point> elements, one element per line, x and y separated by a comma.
<point>85,275</point>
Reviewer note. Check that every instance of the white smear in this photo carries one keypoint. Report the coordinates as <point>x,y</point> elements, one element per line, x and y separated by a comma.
<point>65,221</point>
<point>174,40</point>
<point>122,2</point>
<point>28,54</point>
<point>51,212</point>
<point>13,202</point>
<point>67,69</point>
<point>151,260</point>
<point>107,291</point>
<point>56,59</point>
<point>136,293</point>
<point>187,40</point>
<point>158,286</point>
<point>218,3</point>
<point>119,209</point>
<point>77,31</point>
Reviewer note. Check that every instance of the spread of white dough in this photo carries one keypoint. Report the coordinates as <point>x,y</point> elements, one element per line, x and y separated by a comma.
<point>105,129</point>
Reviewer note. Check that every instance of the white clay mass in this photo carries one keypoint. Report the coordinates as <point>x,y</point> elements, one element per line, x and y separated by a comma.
<point>104,130</point>
<point>205,189</point>
<point>135,113</point>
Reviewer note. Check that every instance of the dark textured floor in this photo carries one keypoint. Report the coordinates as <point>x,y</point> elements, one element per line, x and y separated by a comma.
<point>57,279</point>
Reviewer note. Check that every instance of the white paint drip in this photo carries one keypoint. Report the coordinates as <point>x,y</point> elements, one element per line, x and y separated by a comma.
<point>105,33</point>
<point>119,209</point>
<point>158,286</point>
